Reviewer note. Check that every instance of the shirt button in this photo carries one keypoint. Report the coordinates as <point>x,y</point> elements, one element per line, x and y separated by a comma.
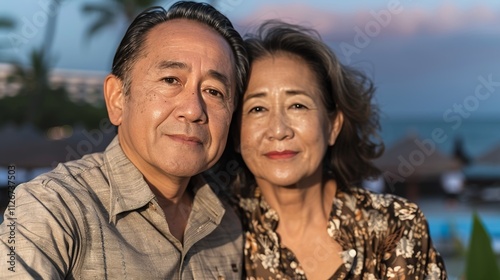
<point>352,253</point>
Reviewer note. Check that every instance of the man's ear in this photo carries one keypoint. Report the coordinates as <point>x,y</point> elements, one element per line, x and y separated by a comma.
<point>115,98</point>
<point>336,126</point>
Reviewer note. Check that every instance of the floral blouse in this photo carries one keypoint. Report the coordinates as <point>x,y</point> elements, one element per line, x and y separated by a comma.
<point>383,237</point>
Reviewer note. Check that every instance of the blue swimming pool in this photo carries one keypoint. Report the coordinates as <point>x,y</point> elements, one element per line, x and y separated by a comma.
<point>445,228</point>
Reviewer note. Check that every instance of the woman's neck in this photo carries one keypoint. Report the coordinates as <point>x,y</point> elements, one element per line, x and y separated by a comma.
<point>299,207</point>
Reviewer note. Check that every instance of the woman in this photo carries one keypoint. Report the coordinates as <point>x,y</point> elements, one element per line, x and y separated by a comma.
<point>307,135</point>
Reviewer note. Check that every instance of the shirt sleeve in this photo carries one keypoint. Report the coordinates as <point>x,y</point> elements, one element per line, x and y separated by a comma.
<point>39,235</point>
<point>412,255</point>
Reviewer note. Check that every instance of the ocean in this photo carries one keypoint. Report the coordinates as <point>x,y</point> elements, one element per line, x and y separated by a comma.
<point>477,136</point>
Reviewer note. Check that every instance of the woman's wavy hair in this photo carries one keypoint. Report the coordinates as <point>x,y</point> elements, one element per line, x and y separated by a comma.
<point>344,89</point>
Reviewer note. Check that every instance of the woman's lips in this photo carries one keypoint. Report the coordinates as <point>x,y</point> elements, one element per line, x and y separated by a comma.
<point>281,155</point>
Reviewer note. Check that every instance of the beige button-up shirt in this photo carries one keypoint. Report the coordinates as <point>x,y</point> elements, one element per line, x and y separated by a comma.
<point>96,218</point>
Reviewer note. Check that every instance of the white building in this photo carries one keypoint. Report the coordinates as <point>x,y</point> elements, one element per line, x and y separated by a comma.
<point>81,85</point>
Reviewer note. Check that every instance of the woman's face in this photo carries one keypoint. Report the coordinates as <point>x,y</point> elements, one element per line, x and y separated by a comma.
<point>285,128</point>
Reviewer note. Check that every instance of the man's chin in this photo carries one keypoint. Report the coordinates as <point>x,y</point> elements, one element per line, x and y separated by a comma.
<point>184,170</point>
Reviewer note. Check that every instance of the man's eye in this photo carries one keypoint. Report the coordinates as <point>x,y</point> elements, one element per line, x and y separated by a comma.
<point>215,92</point>
<point>170,80</point>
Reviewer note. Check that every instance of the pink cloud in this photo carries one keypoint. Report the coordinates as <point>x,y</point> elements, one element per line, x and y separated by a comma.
<point>321,20</point>
<point>447,18</point>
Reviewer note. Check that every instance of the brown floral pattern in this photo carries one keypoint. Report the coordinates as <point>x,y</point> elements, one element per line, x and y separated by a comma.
<point>383,237</point>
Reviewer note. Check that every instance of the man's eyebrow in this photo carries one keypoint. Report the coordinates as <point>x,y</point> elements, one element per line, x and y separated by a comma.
<point>221,78</point>
<point>169,64</point>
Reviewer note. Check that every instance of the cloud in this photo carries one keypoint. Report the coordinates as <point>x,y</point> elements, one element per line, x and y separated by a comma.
<point>410,20</point>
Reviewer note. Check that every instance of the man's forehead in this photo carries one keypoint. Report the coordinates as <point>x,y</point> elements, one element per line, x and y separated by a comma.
<point>188,35</point>
<point>183,32</point>
<point>182,26</point>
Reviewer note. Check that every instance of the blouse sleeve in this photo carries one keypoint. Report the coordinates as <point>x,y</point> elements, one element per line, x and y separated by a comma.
<point>412,255</point>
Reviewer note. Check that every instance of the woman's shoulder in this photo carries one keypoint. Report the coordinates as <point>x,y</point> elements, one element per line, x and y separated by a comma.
<point>394,207</point>
<point>386,219</point>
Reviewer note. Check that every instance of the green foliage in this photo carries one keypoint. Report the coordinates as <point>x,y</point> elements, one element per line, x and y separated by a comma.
<point>481,260</point>
<point>6,23</point>
<point>54,109</point>
<point>108,13</point>
<point>38,103</point>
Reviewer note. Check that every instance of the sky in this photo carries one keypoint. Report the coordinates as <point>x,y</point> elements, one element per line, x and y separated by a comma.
<point>437,59</point>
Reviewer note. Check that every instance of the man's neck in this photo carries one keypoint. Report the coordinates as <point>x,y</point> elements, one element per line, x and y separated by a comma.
<point>176,205</point>
<point>170,189</point>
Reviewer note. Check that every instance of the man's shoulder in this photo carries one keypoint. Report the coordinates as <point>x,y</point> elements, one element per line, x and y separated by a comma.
<point>76,170</point>
<point>86,171</point>
<point>72,177</point>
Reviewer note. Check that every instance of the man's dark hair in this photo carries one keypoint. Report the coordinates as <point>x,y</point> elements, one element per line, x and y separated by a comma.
<point>132,43</point>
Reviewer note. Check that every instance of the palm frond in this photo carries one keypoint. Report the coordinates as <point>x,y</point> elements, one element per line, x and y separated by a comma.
<point>7,23</point>
<point>104,21</point>
<point>481,260</point>
<point>105,16</point>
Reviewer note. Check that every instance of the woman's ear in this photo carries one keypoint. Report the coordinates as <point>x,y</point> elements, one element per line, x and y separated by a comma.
<point>336,126</point>
<point>114,97</point>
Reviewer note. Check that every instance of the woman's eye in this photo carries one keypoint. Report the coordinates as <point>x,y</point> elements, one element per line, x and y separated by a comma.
<point>257,109</point>
<point>298,106</point>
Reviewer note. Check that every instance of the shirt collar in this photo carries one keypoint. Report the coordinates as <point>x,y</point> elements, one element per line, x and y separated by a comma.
<point>205,200</point>
<point>128,189</point>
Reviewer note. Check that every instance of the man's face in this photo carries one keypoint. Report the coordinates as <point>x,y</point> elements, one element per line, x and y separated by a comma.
<point>175,120</point>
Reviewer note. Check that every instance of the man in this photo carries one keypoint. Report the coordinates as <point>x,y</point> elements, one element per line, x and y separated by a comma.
<point>135,210</point>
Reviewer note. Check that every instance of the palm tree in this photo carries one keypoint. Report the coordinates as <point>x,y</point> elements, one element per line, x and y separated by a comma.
<point>116,12</point>
<point>5,24</point>
<point>34,79</point>
<point>113,12</point>
<point>42,105</point>
<point>36,101</point>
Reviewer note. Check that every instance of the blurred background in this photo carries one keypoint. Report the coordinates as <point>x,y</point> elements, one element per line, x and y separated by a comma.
<point>436,66</point>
